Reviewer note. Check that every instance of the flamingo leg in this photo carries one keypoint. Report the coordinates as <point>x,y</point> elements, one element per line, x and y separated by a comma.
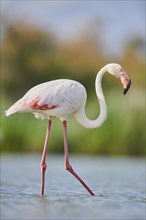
<point>43,160</point>
<point>67,164</point>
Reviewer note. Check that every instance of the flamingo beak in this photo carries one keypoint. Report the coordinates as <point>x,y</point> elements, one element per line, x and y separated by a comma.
<point>125,81</point>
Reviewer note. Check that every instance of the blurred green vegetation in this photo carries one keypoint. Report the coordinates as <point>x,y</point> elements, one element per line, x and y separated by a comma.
<point>31,56</point>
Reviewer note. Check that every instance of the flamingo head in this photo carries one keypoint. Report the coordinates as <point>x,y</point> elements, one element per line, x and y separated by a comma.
<point>117,71</point>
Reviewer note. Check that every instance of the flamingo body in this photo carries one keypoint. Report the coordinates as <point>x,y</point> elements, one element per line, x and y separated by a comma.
<point>57,98</point>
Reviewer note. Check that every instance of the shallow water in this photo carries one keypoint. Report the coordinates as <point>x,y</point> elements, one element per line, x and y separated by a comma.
<point>118,184</point>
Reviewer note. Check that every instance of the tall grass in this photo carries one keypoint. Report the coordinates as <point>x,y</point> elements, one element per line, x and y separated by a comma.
<point>121,134</point>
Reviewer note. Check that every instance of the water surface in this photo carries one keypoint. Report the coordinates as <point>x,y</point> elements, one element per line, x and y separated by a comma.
<point>118,184</point>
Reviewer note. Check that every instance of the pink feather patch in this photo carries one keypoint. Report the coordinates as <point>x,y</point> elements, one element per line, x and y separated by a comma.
<point>34,105</point>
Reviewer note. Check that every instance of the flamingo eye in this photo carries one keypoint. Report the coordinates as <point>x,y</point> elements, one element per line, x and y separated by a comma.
<point>122,71</point>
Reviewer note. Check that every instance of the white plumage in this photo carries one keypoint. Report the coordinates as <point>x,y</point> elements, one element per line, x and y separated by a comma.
<point>57,98</point>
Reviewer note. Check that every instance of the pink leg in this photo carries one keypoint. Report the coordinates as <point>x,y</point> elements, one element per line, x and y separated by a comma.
<point>67,164</point>
<point>43,160</point>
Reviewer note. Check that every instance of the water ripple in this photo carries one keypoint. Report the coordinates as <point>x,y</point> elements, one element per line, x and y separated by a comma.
<point>119,187</point>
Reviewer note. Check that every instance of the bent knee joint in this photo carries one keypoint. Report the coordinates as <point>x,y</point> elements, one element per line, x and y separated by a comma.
<point>68,167</point>
<point>43,166</point>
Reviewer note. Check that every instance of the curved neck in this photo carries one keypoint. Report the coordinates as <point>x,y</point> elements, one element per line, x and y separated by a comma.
<point>81,115</point>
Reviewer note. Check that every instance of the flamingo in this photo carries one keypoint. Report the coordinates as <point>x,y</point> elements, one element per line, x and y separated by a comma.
<point>63,97</point>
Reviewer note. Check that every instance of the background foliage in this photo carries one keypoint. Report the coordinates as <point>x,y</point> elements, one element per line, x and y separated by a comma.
<point>31,56</point>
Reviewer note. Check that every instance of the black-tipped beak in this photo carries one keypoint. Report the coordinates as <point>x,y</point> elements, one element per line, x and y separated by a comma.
<point>125,81</point>
<point>127,87</point>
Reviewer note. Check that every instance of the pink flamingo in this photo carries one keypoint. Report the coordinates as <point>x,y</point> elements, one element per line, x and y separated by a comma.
<point>63,97</point>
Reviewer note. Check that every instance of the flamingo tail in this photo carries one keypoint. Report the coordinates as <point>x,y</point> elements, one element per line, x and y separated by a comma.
<point>16,107</point>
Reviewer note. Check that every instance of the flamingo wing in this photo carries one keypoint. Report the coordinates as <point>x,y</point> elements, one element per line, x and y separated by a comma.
<point>45,98</point>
